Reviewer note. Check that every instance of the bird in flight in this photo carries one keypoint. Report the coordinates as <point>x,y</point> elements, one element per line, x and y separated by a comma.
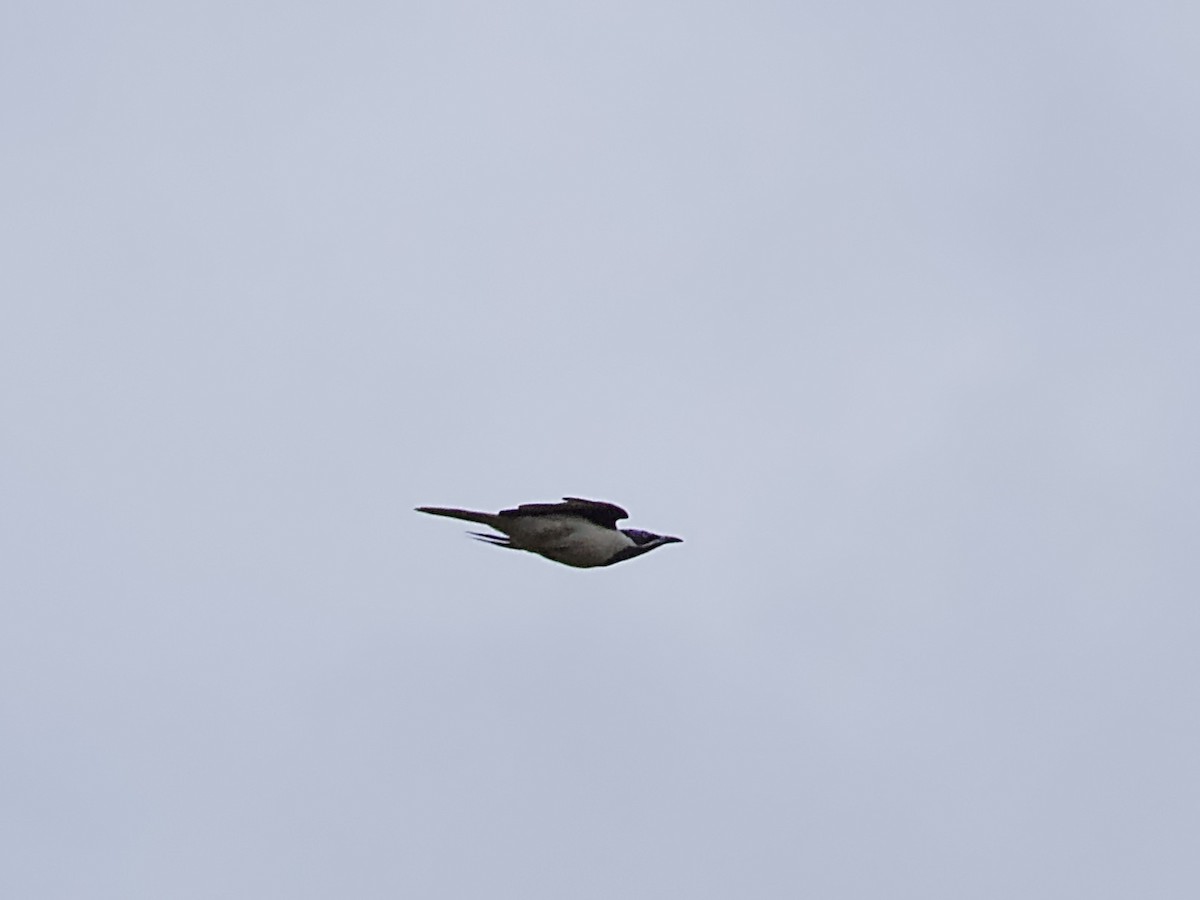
<point>576,532</point>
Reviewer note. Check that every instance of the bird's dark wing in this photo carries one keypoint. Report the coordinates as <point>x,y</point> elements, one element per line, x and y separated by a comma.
<point>606,515</point>
<point>494,539</point>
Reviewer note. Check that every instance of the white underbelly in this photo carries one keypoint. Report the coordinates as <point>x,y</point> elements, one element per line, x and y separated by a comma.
<point>565,539</point>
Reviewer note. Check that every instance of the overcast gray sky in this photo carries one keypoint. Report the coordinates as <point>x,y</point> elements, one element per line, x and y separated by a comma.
<point>890,310</point>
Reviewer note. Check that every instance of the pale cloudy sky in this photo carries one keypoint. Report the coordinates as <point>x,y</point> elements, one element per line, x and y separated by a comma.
<point>890,311</point>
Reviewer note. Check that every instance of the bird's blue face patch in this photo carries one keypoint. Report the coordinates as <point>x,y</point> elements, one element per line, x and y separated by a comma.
<point>639,537</point>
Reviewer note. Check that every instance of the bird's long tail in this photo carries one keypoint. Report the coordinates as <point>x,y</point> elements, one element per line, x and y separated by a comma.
<point>466,515</point>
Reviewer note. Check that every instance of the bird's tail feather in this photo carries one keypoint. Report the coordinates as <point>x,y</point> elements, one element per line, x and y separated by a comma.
<point>466,515</point>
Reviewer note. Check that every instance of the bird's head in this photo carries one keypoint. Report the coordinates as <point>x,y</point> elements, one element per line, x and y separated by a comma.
<point>642,538</point>
<point>643,542</point>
